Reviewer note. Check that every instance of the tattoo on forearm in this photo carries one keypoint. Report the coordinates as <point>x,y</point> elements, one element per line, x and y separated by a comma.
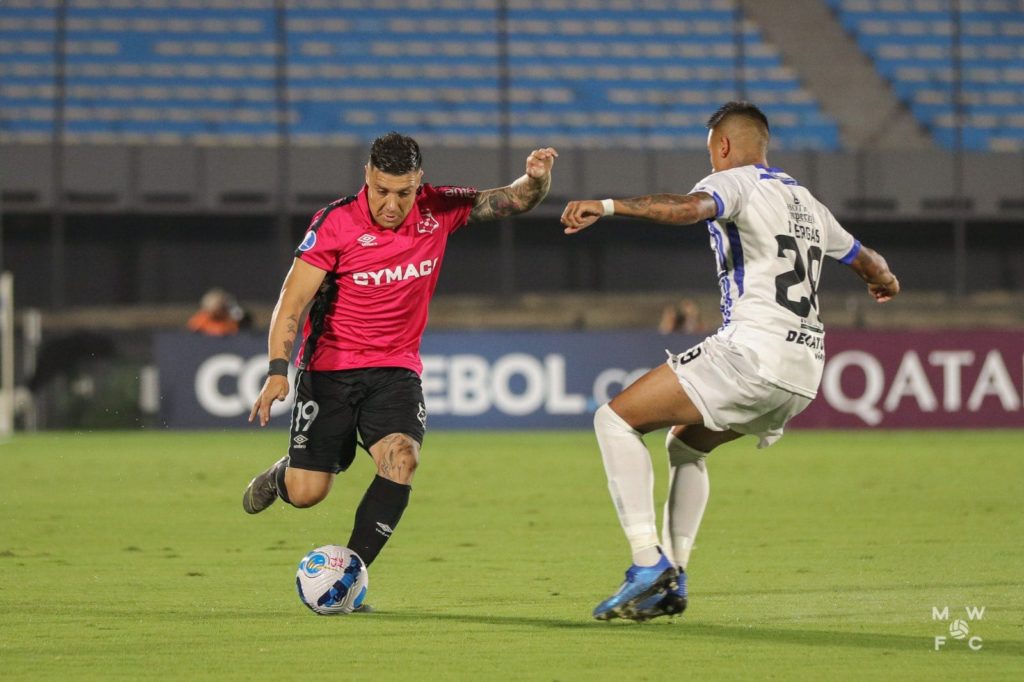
<point>664,208</point>
<point>291,330</point>
<point>494,203</point>
<point>502,202</point>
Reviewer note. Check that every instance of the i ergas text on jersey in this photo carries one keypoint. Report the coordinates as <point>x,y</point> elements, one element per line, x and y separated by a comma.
<point>806,232</point>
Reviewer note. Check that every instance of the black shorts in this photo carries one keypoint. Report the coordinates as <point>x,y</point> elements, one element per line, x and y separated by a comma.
<point>330,407</point>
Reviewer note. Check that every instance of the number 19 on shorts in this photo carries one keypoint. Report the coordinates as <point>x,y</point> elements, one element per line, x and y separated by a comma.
<point>304,414</point>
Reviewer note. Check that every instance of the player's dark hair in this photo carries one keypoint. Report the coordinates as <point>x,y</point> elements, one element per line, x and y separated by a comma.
<point>395,154</point>
<point>744,109</point>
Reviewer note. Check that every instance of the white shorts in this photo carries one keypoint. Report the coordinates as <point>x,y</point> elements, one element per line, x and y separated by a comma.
<point>722,380</point>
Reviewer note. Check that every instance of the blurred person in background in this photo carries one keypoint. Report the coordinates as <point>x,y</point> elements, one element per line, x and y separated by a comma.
<point>759,370</point>
<point>219,314</point>
<point>682,317</point>
<point>369,264</point>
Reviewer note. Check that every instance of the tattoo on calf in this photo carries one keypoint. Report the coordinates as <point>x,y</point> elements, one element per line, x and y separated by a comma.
<point>386,464</point>
<point>398,458</point>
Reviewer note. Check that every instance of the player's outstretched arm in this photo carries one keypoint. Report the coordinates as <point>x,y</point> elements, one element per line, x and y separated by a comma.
<point>522,195</point>
<point>299,287</point>
<point>872,268</point>
<point>671,209</point>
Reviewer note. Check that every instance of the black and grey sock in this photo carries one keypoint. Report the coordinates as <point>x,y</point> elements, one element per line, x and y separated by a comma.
<point>282,490</point>
<point>377,516</point>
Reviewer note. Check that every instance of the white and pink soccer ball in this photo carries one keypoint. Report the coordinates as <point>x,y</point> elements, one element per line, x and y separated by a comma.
<point>332,580</point>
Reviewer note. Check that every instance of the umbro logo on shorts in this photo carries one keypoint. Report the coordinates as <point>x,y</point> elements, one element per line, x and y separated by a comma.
<point>422,415</point>
<point>384,529</point>
<point>300,441</point>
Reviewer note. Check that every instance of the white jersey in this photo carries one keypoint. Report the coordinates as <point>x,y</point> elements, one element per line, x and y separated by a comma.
<point>769,236</point>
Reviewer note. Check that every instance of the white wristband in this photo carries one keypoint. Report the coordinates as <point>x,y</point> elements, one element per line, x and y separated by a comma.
<point>609,206</point>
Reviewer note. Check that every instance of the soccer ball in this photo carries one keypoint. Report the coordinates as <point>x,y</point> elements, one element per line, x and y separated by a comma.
<point>959,629</point>
<point>332,579</point>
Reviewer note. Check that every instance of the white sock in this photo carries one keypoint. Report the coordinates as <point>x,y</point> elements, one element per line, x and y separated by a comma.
<point>688,492</point>
<point>630,481</point>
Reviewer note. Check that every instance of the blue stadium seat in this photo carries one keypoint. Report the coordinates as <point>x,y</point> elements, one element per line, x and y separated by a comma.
<point>597,72</point>
<point>911,43</point>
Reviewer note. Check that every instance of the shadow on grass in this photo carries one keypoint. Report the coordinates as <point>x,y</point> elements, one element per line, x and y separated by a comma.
<point>754,633</point>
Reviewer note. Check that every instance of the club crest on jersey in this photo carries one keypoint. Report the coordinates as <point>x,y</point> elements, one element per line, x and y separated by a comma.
<point>308,242</point>
<point>427,224</point>
<point>368,240</point>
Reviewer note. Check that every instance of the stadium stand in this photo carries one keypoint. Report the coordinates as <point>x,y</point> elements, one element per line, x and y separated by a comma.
<point>595,73</point>
<point>912,43</point>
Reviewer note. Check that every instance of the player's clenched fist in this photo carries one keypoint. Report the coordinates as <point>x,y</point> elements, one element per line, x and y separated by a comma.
<point>579,215</point>
<point>539,162</point>
<point>883,292</point>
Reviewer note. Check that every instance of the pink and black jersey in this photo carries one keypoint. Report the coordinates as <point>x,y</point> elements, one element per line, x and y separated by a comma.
<point>371,309</point>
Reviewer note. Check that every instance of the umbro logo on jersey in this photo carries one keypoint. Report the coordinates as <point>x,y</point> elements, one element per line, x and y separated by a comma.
<point>384,529</point>
<point>427,224</point>
<point>368,240</point>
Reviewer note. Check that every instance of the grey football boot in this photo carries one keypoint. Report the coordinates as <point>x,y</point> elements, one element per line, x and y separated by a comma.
<point>262,490</point>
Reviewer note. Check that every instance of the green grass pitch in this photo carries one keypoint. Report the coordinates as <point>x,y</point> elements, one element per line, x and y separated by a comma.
<point>128,555</point>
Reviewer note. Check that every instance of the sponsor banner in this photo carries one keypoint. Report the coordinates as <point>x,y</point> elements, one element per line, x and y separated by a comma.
<point>534,379</point>
<point>470,379</point>
<point>517,380</point>
<point>212,382</point>
<point>940,379</point>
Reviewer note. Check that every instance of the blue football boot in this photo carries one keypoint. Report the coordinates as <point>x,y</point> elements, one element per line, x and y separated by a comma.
<point>641,582</point>
<point>669,602</point>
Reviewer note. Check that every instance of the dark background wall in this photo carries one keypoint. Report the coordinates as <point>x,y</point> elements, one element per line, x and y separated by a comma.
<point>163,224</point>
<point>136,258</point>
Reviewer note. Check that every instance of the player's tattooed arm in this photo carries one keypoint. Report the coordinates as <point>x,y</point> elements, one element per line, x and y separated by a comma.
<point>291,331</point>
<point>502,202</point>
<point>296,293</point>
<point>522,195</point>
<point>299,287</point>
<point>672,209</point>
